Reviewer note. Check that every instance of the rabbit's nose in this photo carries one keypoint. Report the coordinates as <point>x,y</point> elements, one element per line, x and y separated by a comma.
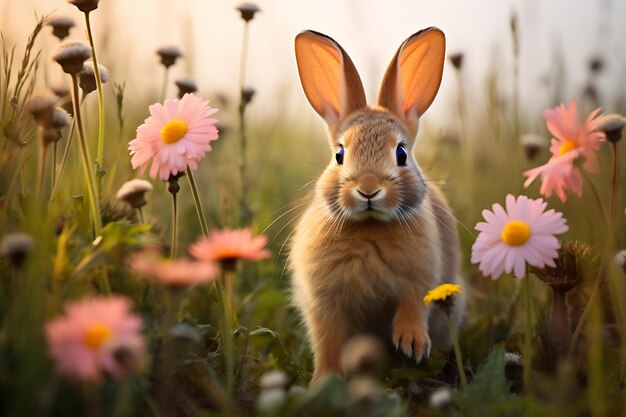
<point>368,196</point>
<point>368,185</point>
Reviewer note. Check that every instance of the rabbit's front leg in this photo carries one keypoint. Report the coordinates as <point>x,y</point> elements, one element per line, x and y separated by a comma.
<point>410,327</point>
<point>328,332</point>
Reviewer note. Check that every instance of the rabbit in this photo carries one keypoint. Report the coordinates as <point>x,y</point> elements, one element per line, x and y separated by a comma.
<point>377,234</point>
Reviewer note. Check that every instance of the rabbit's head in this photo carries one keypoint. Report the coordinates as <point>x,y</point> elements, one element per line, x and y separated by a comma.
<point>373,173</point>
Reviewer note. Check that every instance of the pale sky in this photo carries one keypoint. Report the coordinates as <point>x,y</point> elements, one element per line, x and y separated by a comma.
<point>210,34</point>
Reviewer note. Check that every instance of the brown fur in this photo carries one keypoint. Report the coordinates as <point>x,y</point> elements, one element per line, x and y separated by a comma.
<point>377,236</point>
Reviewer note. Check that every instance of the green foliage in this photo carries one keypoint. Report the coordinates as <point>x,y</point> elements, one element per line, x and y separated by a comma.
<point>489,393</point>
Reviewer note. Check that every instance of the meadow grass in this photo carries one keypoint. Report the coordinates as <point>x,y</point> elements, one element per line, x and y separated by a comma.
<point>474,169</point>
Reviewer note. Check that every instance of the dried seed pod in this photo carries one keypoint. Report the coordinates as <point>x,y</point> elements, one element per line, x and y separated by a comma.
<point>61,26</point>
<point>71,55</point>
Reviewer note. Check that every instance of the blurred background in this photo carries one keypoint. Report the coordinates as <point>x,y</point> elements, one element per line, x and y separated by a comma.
<point>557,40</point>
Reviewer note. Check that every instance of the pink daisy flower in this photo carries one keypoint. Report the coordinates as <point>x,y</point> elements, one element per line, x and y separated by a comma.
<point>177,273</point>
<point>572,140</point>
<point>176,135</point>
<point>96,335</point>
<point>523,233</point>
<point>230,245</point>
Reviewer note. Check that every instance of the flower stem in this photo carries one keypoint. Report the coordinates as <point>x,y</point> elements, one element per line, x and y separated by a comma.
<point>227,329</point>
<point>457,351</point>
<point>615,163</point>
<point>140,214</point>
<point>54,163</point>
<point>244,214</point>
<point>94,202</point>
<point>100,155</point>
<point>528,360</point>
<point>66,154</point>
<point>601,206</point>
<point>173,246</point>
<point>164,86</point>
<point>43,150</point>
<point>197,201</point>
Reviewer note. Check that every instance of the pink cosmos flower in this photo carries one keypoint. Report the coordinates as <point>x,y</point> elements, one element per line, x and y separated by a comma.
<point>96,335</point>
<point>177,273</point>
<point>176,135</point>
<point>523,233</point>
<point>571,142</point>
<point>229,245</point>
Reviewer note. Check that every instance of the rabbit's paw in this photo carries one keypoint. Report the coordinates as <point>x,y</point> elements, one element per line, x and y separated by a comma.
<point>412,339</point>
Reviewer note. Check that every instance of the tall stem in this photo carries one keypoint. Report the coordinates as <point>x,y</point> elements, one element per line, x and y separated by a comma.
<point>600,202</point>
<point>558,328</point>
<point>66,154</point>
<point>227,329</point>
<point>197,201</point>
<point>528,359</point>
<point>164,86</point>
<point>243,205</point>
<point>94,202</point>
<point>615,165</point>
<point>457,351</point>
<point>54,163</point>
<point>140,214</point>
<point>100,155</point>
<point>43,150</point>
<point>173,247</point>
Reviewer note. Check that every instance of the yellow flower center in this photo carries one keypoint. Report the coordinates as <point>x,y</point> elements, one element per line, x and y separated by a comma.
<point>96,335</point>
<point>566,146</point>
<point>173,131</point>
<point>515,233</point>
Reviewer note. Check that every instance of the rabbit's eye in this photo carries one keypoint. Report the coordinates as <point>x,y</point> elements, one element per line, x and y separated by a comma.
<point>339,155</point>
<point>401,155</point>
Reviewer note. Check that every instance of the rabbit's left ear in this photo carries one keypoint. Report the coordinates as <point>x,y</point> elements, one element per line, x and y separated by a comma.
<point>413,77</point>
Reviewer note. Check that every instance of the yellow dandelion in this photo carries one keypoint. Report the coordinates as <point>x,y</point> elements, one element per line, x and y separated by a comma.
<point>442,292</point>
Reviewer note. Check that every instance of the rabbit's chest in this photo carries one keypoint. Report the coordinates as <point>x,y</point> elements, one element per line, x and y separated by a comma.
<point>366,268</point>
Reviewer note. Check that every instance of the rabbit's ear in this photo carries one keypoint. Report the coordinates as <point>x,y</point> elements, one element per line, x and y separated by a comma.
<point>328,76</point>
<point>414,75</point>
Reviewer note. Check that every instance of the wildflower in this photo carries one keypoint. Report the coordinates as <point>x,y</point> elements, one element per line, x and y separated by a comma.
<point>441,293</point>
<point>596,64</point>
<point>133,192</point>
<point>61,26</point>
<point>565,275</point>
<point>612,127</point>
<point>178,273</point>
<point>227,246</point>
<point>571,142</point>
<point>456,60</point>
<point>364,355</point>
<point>183,332</point>
<point>186,86</point>
<point>52,130</point>
<point>65,99</point>
<point>274,380</point>
<point>523,233</point>
<point>169,55</point>
<point>16,247</point>
<point>248,10</point>
<point>85,6</point>
<point>87,77</point>
<point>441,398</point>
<point>71,55</point>
<point>620,259</point>
<point>533,144</point>
<point>41,106</point>
<point>175,136</point>
<point>247,94</point>
<point>96,335</point>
